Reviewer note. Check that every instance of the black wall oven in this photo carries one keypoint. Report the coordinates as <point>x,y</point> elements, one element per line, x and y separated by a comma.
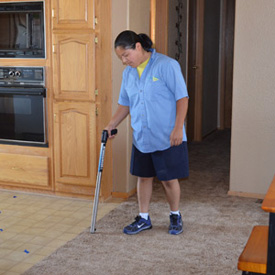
<point>23,106</point>
<point>22,30</point>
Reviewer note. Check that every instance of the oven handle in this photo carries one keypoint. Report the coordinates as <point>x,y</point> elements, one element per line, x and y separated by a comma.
<point>23,91</point>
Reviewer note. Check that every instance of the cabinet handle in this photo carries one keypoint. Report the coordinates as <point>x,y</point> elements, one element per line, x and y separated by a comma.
<point>54,49</point>
<point>53,13</point>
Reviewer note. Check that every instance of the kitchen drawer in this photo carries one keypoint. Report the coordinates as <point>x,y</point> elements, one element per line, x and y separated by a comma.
<point>24,170</point>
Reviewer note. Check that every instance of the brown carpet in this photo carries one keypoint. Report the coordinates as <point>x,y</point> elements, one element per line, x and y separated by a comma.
<point>216,227</point>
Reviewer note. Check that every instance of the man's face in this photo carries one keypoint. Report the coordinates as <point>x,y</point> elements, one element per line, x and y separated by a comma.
<point>129,57</point>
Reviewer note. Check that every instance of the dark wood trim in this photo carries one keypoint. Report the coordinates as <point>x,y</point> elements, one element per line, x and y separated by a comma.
<point>161,26</point>
<point>195,69</point>
<point>226,69</point>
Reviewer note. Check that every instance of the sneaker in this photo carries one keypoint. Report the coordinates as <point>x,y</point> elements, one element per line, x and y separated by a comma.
<point>137,226</point>
<point>176,224</point>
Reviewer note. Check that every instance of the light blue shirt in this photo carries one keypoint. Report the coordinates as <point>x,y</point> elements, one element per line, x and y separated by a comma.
<point>152,101</point>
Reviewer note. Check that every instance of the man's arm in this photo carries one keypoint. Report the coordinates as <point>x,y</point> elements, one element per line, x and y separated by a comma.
<point>177,133</point>
<point>120,114</point>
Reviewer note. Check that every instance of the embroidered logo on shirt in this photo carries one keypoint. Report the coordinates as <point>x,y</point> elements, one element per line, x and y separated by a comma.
<point>155,79</point>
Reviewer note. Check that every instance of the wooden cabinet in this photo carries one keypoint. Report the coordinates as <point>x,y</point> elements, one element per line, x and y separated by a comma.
<point>72,14</point>
<point>74,66</point>
<point>24,170</point>
<point>74,100</point>
<point>74,145</point>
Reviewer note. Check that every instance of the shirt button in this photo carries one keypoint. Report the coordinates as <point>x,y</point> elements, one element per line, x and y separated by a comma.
<point>140,91</point>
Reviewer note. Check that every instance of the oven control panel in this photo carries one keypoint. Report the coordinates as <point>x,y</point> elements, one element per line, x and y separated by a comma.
<point>19,76</point>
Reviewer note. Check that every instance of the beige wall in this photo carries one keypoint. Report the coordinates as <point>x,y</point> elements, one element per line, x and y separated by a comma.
<point>134,15</point>
<point>253,121</point>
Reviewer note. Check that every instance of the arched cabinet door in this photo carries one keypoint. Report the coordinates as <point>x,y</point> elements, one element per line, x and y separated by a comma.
<point>72,14</point>
<point>74,66</point>
<point>74,147</point>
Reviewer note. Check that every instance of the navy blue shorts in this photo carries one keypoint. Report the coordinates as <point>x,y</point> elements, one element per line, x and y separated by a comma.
<point>169,164</point>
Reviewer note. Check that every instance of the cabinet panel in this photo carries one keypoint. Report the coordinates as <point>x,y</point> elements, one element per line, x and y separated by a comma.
<point>24,170</point>
<point>71,14</point>
<point>74,138</point>
<point>74,66</point>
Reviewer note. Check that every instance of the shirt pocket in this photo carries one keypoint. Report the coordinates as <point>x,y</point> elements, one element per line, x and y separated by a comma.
<point>158,90</point>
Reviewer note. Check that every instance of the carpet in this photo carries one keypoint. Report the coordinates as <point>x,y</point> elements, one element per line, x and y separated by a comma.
<point>216,227</point>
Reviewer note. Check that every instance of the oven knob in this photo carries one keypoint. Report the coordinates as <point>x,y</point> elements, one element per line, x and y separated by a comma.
<point>11,73</point>
<point>17,73</point>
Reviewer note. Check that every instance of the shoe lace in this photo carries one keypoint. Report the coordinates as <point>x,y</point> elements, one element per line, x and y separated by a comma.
<point>137,219</point>
<point>174,220</point>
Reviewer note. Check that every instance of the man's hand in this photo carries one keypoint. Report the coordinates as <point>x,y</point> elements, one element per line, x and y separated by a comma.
<point>176,137</point>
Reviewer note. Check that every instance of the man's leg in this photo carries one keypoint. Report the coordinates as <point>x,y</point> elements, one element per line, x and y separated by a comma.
<point>142,221</point>
<point>144,193</point>
<point>172,190</point>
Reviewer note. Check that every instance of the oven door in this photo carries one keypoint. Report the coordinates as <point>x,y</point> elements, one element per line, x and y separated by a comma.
<point>22,116</point>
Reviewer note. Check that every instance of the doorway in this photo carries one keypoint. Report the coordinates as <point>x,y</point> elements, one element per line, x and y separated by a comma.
<point>208,40</point>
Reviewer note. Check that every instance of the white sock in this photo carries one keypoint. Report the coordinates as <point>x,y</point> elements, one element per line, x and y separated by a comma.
<point>175,212</point>
<point>144,215</point>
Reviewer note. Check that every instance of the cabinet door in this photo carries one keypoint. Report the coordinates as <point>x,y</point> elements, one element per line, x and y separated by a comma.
<point>74,66</point>
<point>74,145</point>
<point>72,14</point>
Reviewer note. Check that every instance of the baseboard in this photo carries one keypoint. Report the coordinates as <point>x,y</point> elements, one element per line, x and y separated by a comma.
<point>124,195</point>
<point>246,195</point>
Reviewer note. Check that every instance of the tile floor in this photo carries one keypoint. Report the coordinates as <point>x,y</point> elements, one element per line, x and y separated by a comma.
<point>32,226</point>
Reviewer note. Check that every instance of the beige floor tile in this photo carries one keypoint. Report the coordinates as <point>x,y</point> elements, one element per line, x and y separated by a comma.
<point>84,223</point>
<point>33,259</point>
<point>17,207</point>
<point>6,235</point>
<point>53,219</point>
<point>18,228</point>
<point>6,264</point>
<point>70,221</point>
<point>10,244</point>
<point>10,273</point>
<point>38,217</point>
<point>62,213</point>
<point>61,227</point>
<point>66,236</point>
<point>56,243</point>
<point>21,214</point>
<point>23,238</point>
<point>75,230</point>
<point>45,251</point>
<point>26,221</point>
<point>41,240</point>
<point>52,234</point>
<point>31,248</point>
<point>21,267</point>
<point>9,221</point>
<point>5,252</point>
<point>45,224</point>
<point>16,256</point>
<point>81,214</point>
<point>36,231</point>
<point>46,211</point>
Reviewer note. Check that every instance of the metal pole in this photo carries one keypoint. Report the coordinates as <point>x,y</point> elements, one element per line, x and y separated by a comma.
<point>104,138</point>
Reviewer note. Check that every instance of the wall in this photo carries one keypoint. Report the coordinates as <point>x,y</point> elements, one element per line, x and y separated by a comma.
<point>253,120</point>
<point>134,15</point>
